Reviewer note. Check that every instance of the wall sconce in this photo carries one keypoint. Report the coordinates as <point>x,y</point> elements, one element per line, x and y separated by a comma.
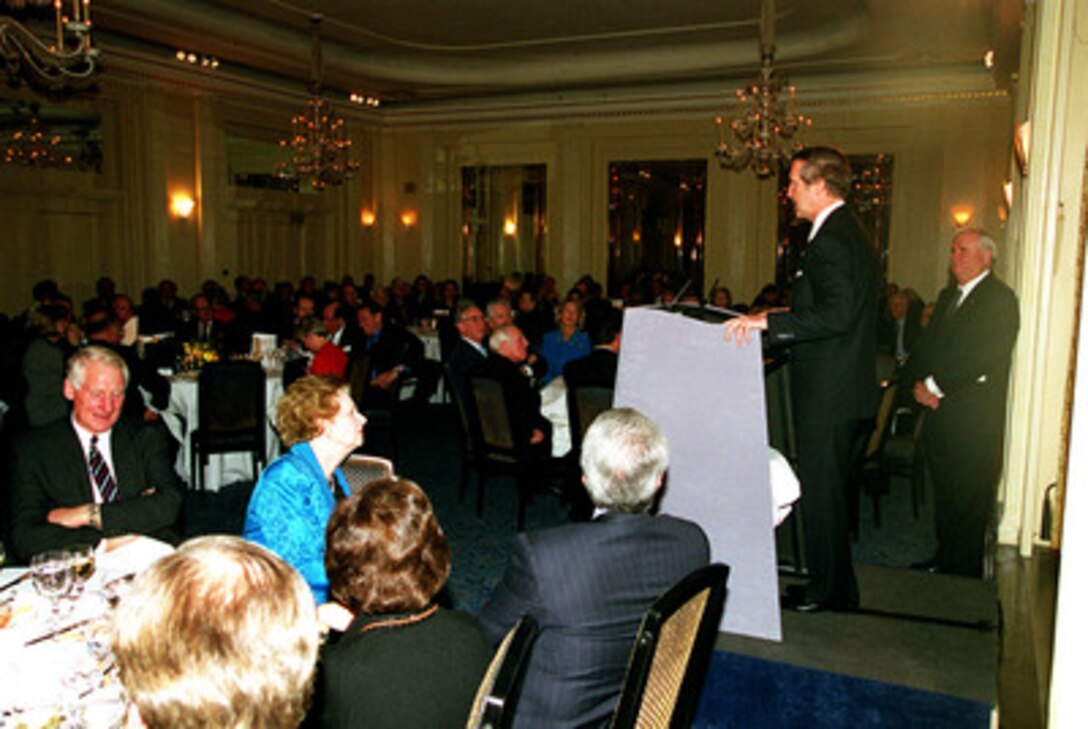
<point>961,216</point>
<point>1006,188</point>
<point>510,227</point>
<point>409,218</point>
<point>367,218</point>
<point>182,205</point>
<point>678,240</point>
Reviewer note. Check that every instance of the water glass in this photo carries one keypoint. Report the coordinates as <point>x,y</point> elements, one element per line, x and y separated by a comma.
<point>52,575</point>
<point>82,560</point>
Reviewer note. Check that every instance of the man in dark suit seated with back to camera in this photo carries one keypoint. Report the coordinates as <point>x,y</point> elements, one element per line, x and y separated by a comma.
<point>93,476</point>
<point>588,584</point>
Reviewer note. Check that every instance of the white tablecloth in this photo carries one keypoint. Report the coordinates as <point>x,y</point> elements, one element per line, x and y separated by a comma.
<point>74,668</point>
<point>553,406</point>
<point>182,416</point>
<point>432,350</point>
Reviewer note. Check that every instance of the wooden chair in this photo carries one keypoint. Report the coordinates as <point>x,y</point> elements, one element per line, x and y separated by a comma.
<point>496,699</point>
<point>360,470</point>
<point>583,405</point>
<point>668,664</point>
<point>466,443</point>
<point>498,453</point>
<point>231,406</point>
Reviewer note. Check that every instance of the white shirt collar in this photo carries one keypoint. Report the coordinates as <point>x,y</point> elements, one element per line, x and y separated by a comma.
<point>478,347</point>
<point>822,216</point>
<point>967,288</point>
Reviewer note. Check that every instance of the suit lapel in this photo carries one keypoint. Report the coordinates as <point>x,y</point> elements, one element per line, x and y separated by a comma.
<point>75,463</point>
<point>126,462</point>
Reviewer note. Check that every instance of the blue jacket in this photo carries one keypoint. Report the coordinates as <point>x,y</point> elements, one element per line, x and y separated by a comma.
<point>557,351</point>
<point>288,511</point>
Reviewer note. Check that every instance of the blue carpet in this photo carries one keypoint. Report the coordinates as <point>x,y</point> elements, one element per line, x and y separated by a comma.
<point>753,693</point>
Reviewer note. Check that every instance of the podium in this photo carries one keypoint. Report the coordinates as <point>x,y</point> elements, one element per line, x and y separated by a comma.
<point>707,395</point>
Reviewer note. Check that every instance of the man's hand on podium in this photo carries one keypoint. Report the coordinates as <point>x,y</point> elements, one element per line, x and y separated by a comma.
<point>739,329</point>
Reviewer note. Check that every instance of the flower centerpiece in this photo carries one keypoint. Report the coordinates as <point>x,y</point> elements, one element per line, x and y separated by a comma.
<point>196,354</point>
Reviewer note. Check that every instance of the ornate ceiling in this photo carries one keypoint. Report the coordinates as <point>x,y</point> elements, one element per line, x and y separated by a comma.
<point>415,53</point>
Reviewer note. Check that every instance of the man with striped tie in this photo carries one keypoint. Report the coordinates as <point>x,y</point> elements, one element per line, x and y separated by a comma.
<point>93,475</point>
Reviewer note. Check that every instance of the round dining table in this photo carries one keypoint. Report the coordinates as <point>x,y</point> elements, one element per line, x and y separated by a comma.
<point>57,668</point>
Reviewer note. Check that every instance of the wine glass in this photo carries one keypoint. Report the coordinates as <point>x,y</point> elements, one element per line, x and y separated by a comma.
<point>52,575</point>
<point>81,557</point>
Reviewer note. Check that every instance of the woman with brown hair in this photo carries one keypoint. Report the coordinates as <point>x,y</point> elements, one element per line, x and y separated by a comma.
<point>402,660</point>
<point>294,496</point>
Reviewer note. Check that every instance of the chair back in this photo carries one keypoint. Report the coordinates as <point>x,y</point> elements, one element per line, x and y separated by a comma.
<point>232,401</point>
<point>883,421</point>
<point>668,664</point>
<point>359,379</point>
<point>360,470</point>
<point>495,431</point>
<point>497,696</point>
<point>584,405</point>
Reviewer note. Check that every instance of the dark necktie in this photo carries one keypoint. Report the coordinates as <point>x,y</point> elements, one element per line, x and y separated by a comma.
<point>103,479</point>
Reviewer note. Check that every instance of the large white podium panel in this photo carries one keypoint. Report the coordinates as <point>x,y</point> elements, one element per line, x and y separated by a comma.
<point>707,395</point>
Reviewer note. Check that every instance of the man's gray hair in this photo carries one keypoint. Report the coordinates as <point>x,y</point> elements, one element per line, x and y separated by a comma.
<point>624,456</point>
<point>495,304</point>
<point>501,336</point>
<point>77,364</point>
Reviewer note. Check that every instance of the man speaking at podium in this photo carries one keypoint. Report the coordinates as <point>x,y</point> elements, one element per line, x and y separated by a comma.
<point>831,331</point>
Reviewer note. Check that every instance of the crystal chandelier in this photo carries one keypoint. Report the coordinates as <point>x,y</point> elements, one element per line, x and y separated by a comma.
<point>764,128</point>
<point>63,62</point>
<point>318,140</point>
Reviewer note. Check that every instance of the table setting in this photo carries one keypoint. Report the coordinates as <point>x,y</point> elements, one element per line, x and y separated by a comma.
<point>55,652</point>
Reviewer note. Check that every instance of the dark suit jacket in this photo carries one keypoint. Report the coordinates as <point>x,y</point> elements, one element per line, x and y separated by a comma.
<point>598,369</point>
<point>968,350</point>
<point>223,337</point>
<point>831,328</point>
<point>522,401</point>
<point>423,674</point>
<point>464,358</point>
<point>588,586</point>
<point>394,346</point>
<point>50,471</point>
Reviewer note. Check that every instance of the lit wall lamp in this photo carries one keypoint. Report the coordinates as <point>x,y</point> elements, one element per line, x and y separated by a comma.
<point>368,217</point>
<point>961,216</point>
<point>510,227</point>
<point>409,218</point>
<point>1006,187</point>
<point>182,205</point>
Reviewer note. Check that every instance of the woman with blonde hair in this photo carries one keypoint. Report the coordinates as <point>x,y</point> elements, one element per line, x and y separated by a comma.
<point>295,495</point>
<point>568,342</point>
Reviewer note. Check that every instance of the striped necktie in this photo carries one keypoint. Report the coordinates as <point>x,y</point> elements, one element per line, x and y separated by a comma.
<point>103,479</point>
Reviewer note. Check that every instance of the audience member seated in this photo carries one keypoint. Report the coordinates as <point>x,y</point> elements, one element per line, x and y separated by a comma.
<point>296,493</point>
<point>102,330</point>
<point>400,660</point>
<point>105,290</point>
<point>220,633</point>
<point>598,369</point>
<point>204,327</point>
<point>469,352</point>
<point>721,298</point>
<point>567,343</point>
<point>588,584</point>
<point>93,476</point>
<point>500,315</point>
<point>900,326</point>
<point>328,359</point>
<point>532,318</point>
<point>393,352</point>
<point>507,363</point>
<point>339,320</point>
<point>125,314</point>
<point>53,338</point>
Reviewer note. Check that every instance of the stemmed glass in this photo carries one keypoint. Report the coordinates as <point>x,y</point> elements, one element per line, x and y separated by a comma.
<point>52,575</point>
<point>82,560</point>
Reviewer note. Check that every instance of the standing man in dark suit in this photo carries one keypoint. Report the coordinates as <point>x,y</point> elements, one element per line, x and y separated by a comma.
<point>588,584</point>
<point>960,373</point>
<point>831,330</point>
<point>92,476</point>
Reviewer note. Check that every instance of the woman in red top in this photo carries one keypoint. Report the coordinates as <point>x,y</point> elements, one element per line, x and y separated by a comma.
<point>329,359</point>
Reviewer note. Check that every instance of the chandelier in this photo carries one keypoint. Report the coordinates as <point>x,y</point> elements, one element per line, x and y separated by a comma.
<point>318,139</point>
<point>63,62</point>
<point>26,140</point>
<point>764,128</point>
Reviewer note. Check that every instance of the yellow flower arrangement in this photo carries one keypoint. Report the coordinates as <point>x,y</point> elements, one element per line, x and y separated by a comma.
<point>197,354</point>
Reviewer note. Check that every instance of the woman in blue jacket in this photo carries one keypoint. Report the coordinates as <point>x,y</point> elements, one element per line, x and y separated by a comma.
<point>295,495</point>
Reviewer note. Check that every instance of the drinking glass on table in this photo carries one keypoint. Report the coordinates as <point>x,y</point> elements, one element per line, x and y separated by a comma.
<point>82,561</point>
<point>52,575</point>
